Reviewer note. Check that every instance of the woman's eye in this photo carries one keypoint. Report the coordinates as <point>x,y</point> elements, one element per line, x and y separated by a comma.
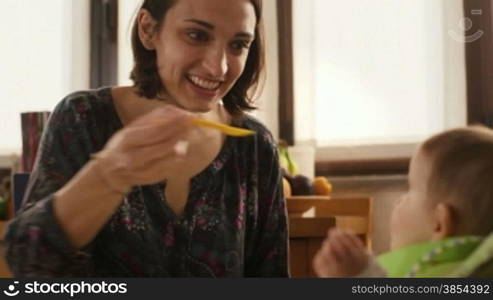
<point>199,36</point>
<point>240,45</point>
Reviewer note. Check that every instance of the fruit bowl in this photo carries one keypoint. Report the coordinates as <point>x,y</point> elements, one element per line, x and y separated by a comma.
<point>304,205</point>
<point>300,185</point>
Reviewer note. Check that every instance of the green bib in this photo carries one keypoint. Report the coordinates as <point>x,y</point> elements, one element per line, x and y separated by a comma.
<point>451,257</point>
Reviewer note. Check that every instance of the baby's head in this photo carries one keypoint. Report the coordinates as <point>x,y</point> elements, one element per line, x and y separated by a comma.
<point>450,189</point>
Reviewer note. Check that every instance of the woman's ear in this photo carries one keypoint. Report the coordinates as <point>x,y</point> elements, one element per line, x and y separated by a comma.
<point>146,29</point>
<point>444,222</point>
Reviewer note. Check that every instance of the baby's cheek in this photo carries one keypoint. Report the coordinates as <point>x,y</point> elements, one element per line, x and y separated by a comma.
<point>394,219</point>
<point>397,228</point>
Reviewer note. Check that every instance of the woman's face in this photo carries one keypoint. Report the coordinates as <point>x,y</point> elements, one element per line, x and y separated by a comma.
<point>201,49</point>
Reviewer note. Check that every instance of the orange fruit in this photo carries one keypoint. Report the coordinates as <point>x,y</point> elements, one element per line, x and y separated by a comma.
<point>321,186</point>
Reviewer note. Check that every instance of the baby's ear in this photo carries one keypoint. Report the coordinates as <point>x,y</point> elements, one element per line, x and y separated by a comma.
<point>444,221</point>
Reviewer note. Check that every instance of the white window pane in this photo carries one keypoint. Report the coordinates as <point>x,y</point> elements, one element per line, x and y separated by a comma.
<point>127,10</point>
<point>40,63</point>
<point>378,69</point>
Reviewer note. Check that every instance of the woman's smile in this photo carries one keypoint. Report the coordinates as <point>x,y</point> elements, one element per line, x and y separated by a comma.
<point>204,87</point>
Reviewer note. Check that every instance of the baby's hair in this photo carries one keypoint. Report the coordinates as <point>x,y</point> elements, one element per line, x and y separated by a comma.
<point>462,175</point>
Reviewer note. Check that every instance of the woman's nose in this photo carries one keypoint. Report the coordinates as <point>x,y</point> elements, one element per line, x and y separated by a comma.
<point>216,63</point>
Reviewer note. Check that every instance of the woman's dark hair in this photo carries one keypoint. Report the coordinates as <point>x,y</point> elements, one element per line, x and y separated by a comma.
<point>146,77</point>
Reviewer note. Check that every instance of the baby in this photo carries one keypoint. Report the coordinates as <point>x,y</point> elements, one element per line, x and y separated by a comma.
<point>440,227</point>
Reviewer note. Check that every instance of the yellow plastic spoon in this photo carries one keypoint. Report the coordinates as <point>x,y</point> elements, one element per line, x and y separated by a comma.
<point>229,130</point>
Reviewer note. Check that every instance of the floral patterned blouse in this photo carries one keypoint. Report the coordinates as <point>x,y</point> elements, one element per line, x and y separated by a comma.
<point>234,223</point>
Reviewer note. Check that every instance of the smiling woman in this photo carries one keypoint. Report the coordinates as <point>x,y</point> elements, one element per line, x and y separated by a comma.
<point>198,58</point>
<point>115,193</point>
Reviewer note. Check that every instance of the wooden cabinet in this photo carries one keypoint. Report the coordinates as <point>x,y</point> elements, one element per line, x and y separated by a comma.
<point>309,219</point>
<point>305,237</point>
<point>4,270</point>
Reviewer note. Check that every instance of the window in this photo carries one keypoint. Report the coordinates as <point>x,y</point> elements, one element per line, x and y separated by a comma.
<point>104,43</point>
<point>379,76</point>
<point>364,64</point>
<point>44,57</point>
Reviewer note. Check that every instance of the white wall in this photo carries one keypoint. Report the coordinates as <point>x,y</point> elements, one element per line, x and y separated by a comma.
<point>303,75</point>
<point>77,40</point>
<point>126,12</point>
<point>44,56</point>
<point>268,101</point>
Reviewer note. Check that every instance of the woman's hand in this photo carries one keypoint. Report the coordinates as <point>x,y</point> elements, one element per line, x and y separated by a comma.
<point>146,150</point>
<point>342,255</point>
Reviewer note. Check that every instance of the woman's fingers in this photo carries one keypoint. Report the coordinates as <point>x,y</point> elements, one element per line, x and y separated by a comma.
<point>143,156</point>
<point>152,135</point>
<point>157,126</point>
<point>163,114</point>
<point>145,144</point>
<point>150,164</point>
<point>160,168</point>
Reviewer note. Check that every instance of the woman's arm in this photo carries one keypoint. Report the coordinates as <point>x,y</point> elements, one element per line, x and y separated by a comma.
<point>70,198</point>
<point>36,243</point>
<point>86,202</point>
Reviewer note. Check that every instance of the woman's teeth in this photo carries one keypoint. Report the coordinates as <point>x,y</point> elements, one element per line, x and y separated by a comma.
<point>203,83</point>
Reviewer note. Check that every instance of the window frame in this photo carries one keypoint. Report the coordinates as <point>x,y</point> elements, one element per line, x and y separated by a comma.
<point>286,82</point>
<point>104,43</point>
<point>479,64</point>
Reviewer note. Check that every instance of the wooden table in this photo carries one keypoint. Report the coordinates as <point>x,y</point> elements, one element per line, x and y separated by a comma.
<point>309,219</point>
<point>305,238</point>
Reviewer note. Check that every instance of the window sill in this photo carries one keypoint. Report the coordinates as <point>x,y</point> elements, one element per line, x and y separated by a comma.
<point>364,159</point>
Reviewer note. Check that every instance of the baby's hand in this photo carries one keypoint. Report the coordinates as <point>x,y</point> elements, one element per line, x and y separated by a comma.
<point>342,255</point>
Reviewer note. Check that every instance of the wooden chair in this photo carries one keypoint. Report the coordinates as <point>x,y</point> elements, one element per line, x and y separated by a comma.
<point>311,216</point>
